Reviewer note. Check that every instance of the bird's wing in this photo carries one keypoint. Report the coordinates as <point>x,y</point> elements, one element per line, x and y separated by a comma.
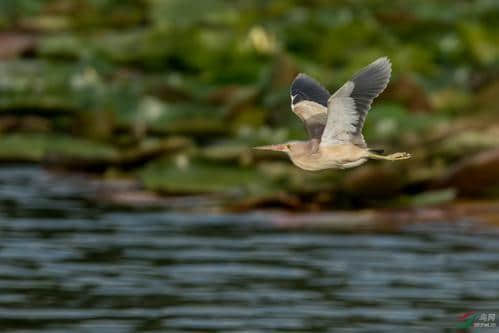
<point>309,103</point>
<point>348,106</point>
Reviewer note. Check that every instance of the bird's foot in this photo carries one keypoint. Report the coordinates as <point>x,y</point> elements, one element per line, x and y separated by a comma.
<point>399,156</point>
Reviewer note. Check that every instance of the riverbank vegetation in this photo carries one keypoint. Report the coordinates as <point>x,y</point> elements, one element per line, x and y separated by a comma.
<point>173,94</point>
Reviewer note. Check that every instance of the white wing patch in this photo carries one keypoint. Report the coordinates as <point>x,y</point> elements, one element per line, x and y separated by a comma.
<point>348,106</point>
<point>341,121</point>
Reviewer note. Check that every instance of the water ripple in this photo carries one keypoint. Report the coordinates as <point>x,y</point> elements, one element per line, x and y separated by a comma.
<point>70,266</point>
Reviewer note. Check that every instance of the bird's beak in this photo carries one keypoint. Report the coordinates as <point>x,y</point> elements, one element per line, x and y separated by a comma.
<point>280,147</point>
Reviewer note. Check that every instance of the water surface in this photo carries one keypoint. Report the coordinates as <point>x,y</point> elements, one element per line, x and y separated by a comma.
<point>69,265</point>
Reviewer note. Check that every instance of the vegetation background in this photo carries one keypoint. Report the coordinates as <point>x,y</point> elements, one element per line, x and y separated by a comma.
<point>172,94</point>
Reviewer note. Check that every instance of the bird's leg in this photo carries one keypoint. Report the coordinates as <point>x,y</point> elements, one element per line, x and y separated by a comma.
<point>391,157</point>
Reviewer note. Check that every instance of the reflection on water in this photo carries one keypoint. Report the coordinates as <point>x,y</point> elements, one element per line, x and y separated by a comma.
<point>69,266</point>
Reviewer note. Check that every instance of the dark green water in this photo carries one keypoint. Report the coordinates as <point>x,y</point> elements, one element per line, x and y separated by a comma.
<point>70,266</point>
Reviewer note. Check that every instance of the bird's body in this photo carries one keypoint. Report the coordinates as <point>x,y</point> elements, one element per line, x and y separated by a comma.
<point>334,122</point>
<point>341,156</point>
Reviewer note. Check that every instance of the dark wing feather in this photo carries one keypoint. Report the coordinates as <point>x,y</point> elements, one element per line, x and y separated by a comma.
<point>309,102</point>
<point>368,84</point>
<point>305,88</point>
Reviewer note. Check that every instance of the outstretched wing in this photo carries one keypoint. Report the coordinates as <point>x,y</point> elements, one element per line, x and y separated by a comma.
<point>309,103</point>
<point>348,106</point>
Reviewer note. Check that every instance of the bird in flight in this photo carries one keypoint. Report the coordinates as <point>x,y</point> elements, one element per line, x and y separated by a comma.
<point>334,122</point>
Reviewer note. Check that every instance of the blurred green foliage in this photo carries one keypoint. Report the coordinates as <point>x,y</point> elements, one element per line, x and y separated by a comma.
<point>101,76</point>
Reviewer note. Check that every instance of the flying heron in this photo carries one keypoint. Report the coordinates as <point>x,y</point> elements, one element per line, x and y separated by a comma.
<point>334,122</point>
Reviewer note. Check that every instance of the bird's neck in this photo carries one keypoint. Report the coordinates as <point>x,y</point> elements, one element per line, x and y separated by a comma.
<point>305,157</point>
